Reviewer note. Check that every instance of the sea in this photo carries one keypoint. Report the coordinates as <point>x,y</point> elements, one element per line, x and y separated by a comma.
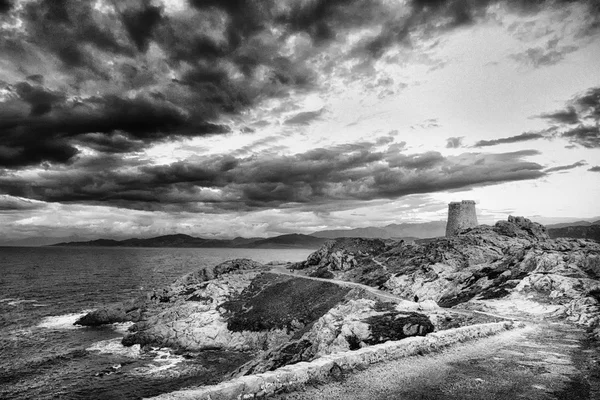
<point>43,290</point>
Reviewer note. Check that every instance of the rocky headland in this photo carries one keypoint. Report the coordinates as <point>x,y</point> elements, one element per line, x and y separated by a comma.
<point>511,268</point>
<point>355,293</point>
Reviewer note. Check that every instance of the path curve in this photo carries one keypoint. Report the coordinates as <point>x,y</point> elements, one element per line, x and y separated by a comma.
<point>282,270</point>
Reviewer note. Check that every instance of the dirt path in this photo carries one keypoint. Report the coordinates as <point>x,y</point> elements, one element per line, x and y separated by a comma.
<point>545,360</point>
<point>379,293</point>
<point>281,270</point>
<point>541,361</point>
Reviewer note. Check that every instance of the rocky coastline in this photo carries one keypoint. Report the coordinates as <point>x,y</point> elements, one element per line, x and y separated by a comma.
<point>511,270</point>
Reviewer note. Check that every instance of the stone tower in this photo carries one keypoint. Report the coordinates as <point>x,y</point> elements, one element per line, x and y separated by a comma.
<point>460,216</point>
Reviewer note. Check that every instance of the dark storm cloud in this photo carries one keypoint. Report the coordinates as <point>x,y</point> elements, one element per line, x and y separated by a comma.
<point>357,171</point>
<point>5,6</point>
<point>586,136</point>
<point>140,24</point>
<point>512,139</point>
<point>53,125</point>
<point>39,98</point>
<point>117,142</point>
<point>428,18</point>
<point>589,103</point>
<point>9,204</point>
<point>582,110</point>
<point>454,142</point>
<point>566,167</point>
<point>114,76</point>
<point>595,168</point>
<point>566,116</point>
<point>65,27</point>
<point>18,154</point>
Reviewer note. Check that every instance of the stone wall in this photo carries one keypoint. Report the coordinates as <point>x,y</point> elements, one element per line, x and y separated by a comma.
<point>461,216</point>
<point>321,369</point>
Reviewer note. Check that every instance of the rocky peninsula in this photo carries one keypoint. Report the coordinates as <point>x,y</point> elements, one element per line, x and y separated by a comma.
<point>353,294</point>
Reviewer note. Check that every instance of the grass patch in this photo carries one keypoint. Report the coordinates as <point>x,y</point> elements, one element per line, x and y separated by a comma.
<point>280,302</point>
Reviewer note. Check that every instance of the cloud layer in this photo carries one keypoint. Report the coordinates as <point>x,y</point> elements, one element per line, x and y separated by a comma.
<point>118,76</point>
<point>358,171</point>
<point>124,104</point>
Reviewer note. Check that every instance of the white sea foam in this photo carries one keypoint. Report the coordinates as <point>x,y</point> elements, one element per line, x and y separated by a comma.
<point>17,302</point>
<point>12,301</point>
<point>61,322</point>
<point>7,299</point>
<point>122,327</point>
<point>164,360</point>
<point>114,346</point>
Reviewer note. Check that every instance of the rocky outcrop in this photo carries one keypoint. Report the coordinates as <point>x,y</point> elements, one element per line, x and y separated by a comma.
<point>332,366</point>
<point>514,259</point>
<point>349,326</point>
<point>283,319</point>
<point>187,288</point>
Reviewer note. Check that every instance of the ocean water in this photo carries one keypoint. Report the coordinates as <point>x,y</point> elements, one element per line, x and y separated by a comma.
<point>44,290</point>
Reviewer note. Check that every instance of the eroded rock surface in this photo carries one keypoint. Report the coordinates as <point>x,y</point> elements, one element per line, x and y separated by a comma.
<point>512,261</point>
<point>349,326</point>
<point>240,306</point>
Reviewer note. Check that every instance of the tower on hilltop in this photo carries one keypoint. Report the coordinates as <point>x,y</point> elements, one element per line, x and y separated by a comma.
<point>460,216</point>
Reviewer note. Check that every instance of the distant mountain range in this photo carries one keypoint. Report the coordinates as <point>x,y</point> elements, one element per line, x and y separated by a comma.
<point>180,240</point>
<point>406,231</point>
<point>400,231</point>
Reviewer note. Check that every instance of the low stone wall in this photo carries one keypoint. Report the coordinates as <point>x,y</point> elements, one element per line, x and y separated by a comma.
<point>321,369</point>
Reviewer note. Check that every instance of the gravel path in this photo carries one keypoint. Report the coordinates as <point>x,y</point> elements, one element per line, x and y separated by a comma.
<point>541,361</point>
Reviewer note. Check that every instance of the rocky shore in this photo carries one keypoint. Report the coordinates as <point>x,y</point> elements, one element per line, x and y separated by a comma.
<point>281,318</point>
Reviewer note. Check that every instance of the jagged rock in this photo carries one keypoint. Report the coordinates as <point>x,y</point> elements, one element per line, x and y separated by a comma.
<point>349,326</point>
<point>120,312</point>
<point>342,254</point>
<point>190,287</point>
<point>240,310</point>
<point>521,227</point>
<point>512,258</point>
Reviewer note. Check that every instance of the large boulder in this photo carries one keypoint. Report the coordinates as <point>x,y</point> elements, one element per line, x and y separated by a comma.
<point>119,312</point>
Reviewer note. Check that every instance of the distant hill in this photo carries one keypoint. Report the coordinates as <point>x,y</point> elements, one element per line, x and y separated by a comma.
<point>576,223</point>
<point>579,230</point>
<point>287,241</point>
<point>181,240</point>
<point>35,241</point>
<point>405,230</point>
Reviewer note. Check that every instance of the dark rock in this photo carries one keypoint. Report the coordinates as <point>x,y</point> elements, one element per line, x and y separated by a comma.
<point>121,312</point>
<point>396,326</point>
<point>522,228</point>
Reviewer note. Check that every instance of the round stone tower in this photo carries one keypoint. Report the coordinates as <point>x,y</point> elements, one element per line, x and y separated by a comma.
<point>461,216</point>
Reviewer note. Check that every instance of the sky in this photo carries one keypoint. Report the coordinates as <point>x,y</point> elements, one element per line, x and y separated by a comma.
<point>256,118</point>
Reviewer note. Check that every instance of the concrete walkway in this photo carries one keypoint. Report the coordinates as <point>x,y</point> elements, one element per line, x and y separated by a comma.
<point>542,361</point>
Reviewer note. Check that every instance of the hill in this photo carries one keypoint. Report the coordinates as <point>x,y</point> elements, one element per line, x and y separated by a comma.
<point>591,231</point>
<point>181,240</point>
